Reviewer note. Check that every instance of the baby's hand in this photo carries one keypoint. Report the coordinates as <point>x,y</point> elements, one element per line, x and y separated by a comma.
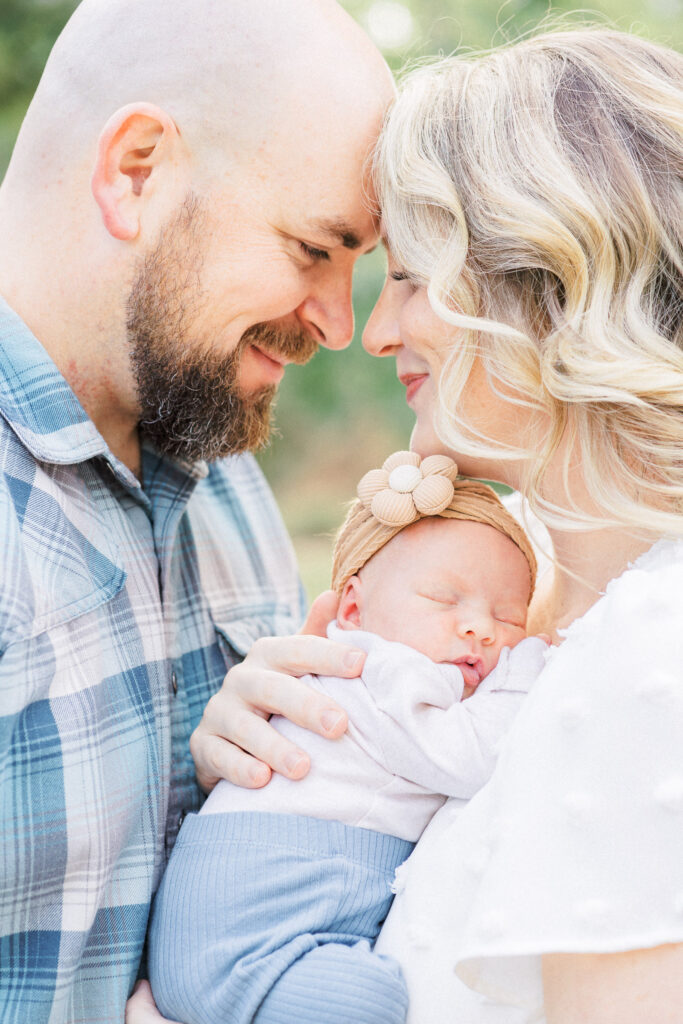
<point>518,666</point>
<point>526,661</point>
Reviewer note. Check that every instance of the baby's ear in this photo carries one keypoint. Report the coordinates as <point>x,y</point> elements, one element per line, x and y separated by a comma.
<point>350,604</point>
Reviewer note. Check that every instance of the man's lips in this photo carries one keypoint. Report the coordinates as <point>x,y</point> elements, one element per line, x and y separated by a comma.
<point>412,383</point>
<point>272,367</point>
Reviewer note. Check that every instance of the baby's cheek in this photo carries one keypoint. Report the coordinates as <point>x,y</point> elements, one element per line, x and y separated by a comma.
<point>520,634</point>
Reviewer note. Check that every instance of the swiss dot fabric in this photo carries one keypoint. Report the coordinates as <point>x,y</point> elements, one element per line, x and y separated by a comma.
<point>575,843</point>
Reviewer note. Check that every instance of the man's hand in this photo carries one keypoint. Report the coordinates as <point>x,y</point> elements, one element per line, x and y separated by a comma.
<point>234,740</point>
<point>141,1008</point>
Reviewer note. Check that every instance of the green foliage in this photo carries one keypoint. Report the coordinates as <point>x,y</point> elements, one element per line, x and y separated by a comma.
<point>344,412</point>
<point>28,28</point>
<point>442,26</point>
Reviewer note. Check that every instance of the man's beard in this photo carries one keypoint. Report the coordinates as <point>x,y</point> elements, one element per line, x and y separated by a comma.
<point>191,404</point>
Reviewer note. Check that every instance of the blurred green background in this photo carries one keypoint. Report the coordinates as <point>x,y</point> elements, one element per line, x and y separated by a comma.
<point>344,412</point>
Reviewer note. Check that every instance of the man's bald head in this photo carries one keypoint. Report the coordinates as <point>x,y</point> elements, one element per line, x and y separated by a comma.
<point>231,74</point>
<point>185,205</point>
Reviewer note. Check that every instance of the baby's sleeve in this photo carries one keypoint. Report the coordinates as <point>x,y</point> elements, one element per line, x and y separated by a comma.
<point>430,736</point>
<point>581,829</point>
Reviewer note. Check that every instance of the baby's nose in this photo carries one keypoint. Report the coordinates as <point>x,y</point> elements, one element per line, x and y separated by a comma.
<point>478,626</point>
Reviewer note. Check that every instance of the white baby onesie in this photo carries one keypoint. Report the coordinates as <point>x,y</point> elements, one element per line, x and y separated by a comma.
<point>411,740</point>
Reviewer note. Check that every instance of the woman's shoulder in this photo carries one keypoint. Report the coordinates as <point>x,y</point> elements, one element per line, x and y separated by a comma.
<point>646,600</point>
<point>556,852</point>
<point>588,791</point>
<point>607,711</point>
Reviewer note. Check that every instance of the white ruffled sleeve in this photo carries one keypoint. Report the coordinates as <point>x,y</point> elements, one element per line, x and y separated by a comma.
<point>576,844</point>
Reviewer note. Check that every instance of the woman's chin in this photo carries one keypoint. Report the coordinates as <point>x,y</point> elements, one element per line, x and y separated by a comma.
<point>425,441</point>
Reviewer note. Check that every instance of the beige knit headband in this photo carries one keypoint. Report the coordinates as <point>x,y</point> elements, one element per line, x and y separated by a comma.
<point>408,488</point>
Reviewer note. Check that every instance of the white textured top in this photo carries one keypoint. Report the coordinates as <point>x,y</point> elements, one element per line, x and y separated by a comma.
<point>575,844</point>
<point>410,743</point>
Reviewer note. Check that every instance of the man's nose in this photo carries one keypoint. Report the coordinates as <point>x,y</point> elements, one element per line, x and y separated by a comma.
<point>381,336</point>
<point>327,313</point>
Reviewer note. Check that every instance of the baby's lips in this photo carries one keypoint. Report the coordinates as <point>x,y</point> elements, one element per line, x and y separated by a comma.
<point>470,673</point>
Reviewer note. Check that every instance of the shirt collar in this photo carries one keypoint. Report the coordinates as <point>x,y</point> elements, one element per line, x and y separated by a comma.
<point>44,412</point>
<point>36,400</point>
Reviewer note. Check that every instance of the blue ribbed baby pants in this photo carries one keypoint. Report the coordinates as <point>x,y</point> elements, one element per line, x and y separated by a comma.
<point>268,918</point>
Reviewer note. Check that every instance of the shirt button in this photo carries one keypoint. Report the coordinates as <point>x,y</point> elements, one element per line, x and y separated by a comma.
<point>174,683</point>
<point>181,819</point>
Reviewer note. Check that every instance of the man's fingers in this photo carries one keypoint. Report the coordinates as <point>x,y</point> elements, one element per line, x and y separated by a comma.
<point>251,733</point>
<point>322,611</point>
<point>216,759</point>
<point>297,655</point>
<point>266,747</point>
<point>233,741</point>
<point>141,1008</point>
<point>274,693</point>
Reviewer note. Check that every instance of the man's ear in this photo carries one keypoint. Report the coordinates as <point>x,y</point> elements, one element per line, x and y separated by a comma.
<point>136,145</point>
<point>350,604</point>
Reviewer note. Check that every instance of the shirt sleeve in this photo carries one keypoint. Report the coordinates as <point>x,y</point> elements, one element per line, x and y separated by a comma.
<point>429,735</point>
<point>579,833</point>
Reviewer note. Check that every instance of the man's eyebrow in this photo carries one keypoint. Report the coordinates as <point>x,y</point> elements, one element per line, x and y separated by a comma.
<point>339,230</point>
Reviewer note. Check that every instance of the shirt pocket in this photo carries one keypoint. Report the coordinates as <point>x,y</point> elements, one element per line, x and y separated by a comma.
<point>59,626</point>
<point>238,627</point>
<point>55,577</point>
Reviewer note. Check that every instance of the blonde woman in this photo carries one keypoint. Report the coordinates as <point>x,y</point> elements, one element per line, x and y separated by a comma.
<point>531,201</point>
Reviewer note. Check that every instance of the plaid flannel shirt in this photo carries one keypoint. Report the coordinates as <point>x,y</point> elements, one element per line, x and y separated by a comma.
<point>121,609</point>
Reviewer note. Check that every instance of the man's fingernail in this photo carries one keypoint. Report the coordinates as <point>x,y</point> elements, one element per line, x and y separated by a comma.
<point>294,763</point>
<point>258,773</point>
<point>330,720</point>
<point>353,660</point>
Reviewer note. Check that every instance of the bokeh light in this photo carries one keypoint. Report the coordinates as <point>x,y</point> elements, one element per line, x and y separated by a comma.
<point>390,24</point>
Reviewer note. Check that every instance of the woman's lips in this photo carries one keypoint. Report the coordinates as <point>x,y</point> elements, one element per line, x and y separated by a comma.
<point>412,382</point>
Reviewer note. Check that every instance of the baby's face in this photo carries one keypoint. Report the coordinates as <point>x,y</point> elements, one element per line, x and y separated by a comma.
<point>455,590</point>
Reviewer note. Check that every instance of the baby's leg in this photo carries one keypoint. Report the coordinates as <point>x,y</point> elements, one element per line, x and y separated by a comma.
<point>248,897</point>
<point>337,984</point>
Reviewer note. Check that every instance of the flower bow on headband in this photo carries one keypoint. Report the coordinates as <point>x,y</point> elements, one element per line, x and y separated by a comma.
<point>407,487</point>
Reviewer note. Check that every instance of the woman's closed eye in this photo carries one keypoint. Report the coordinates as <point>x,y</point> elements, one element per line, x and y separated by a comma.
<point>397,274</point>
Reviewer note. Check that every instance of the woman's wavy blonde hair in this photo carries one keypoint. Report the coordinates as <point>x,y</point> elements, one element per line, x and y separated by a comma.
<point>537,191</point>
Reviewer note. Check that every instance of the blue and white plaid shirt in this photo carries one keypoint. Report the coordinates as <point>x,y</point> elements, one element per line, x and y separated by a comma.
<point>121,609</point>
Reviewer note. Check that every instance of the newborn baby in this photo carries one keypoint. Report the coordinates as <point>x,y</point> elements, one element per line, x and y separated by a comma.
<point>272,897</point>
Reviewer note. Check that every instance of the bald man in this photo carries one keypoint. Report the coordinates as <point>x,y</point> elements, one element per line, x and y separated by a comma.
<point>179,221</point>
